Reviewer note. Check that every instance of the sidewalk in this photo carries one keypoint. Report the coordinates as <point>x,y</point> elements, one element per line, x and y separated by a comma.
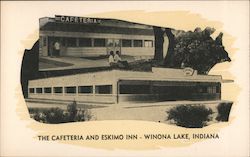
<point>63,63</point>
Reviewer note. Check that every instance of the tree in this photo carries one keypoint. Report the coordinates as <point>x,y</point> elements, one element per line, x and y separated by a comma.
<point>159,39</point>
<point>72,111</point>
<point>197,50</point>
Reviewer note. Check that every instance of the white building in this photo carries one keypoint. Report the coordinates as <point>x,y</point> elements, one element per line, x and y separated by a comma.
<point>115,86</point>
<point>81,36</point>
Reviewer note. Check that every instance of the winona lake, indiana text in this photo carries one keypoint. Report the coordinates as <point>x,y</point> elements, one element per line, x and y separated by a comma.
<point>127,137</point>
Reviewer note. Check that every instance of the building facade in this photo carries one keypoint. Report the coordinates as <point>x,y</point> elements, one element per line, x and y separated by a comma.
<point>116,86</point>
<point>80,37</point>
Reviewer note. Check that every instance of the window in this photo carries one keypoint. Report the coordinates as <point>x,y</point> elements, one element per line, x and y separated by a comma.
<point>211,89</point>
<point>202,89</point>
<point>137,43</point>
<point>110,42</point>
<point>58,90</point>
<point>47,90</point>
<point>126,43</point>
<point>134,89</point>
<point>148,43</point>
<point>31,90</point>
<point>103,89</point>
<point>85,42</point>
<point>218,89</point>
<point>71,42</point>
<point>99,42</point>
<point>117,43</point>
<point>39,90</point>
<point>70,90</point>
<point>85,89</point>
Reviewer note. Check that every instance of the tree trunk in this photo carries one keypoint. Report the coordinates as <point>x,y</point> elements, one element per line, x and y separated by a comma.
<point>159,39</point>
<point>168,60</point>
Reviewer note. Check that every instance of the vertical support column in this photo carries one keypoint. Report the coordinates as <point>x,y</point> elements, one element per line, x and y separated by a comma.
<point>77,42</point>
<point>92,42</point>
<point>116,86</point>
<point>115,91</point>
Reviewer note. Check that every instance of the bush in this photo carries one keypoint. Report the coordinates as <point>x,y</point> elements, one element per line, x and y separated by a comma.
<point>57,115</point>
<point>190,116</point>
<point>223,111</point>
<point>54,115</point>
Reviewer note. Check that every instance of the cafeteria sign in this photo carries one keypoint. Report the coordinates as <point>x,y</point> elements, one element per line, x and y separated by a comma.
<point>75,19</point>
<point>188,71</point>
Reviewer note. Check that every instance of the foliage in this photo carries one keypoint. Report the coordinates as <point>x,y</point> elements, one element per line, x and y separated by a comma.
<point>54,115</point>
<point>190,116</point>
<point>197,50</point>
<point>223,111</point>
<point>57,115</point>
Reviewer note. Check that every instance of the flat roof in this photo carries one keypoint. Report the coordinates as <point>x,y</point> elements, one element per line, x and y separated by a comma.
<point>157,74</point>
<point>104,25</point>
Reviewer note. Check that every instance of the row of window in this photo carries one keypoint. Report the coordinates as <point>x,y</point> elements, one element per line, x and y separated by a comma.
<point>101,42</point>
<point>125,89</point>
<point>101,89</point>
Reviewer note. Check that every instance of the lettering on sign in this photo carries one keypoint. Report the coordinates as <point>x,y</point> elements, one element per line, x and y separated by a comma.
<point>75,19</point>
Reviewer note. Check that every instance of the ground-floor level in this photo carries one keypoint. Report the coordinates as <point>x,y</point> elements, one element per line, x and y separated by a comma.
<point>130,91</point>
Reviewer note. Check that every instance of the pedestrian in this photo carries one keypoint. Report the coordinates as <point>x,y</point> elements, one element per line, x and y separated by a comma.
<point>117,58</point>
<point>57,47</point>
<point>111,58</point>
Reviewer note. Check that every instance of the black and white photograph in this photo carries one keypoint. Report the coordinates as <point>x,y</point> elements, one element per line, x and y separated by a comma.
<point>124,78</point>
<point>109,69</point>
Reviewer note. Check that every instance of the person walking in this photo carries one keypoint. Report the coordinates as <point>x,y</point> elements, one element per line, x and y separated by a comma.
<point>57,47</point>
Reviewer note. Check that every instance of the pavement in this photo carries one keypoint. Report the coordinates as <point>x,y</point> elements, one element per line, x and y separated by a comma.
<point>63,63</point>
<point>156,111</point>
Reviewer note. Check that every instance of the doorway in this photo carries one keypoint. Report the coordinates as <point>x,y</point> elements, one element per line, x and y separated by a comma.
<point>51,46</point>
<point>113,45</point>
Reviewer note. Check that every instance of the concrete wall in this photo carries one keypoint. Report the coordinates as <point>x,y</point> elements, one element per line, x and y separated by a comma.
<point>84,51</point>
<point>92,98</point>
<point>138,51</point>
<point>92,79</point>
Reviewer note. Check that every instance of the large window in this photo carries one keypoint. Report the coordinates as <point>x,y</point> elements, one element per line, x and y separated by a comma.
<point>218,89</point>
<point>31,90</point>
<point>148,43</point>
<point>126,43</point>
<point>84,42</point>
<point>85,89</point>
<point>71,42</point>
<point>39,90</point>
<point>211,90</point>
<point>58,89</point>
<point>70,90</point>
<point>110,42</point>
<point>117,43</point>
<point>134,89</point>
<point>103,89</point>
<point>47,90</point>
<point>137,43</point>
<point>99,42</point>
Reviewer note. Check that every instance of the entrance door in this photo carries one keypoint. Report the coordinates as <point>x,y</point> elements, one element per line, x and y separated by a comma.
<point>113,45</point>
<point>51,46</point>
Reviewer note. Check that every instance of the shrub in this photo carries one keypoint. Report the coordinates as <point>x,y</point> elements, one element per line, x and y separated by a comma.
<point>57,115</point>
<point>189,116</point>
<point>223,111</point>
<point>72,111</point>
<point>54,115</point>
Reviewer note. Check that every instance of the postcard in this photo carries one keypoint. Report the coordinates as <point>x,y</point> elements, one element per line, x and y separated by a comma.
<point>125,78</point>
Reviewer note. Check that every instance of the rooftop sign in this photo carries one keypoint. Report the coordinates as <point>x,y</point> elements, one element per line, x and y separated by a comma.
<point>75,19</point>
